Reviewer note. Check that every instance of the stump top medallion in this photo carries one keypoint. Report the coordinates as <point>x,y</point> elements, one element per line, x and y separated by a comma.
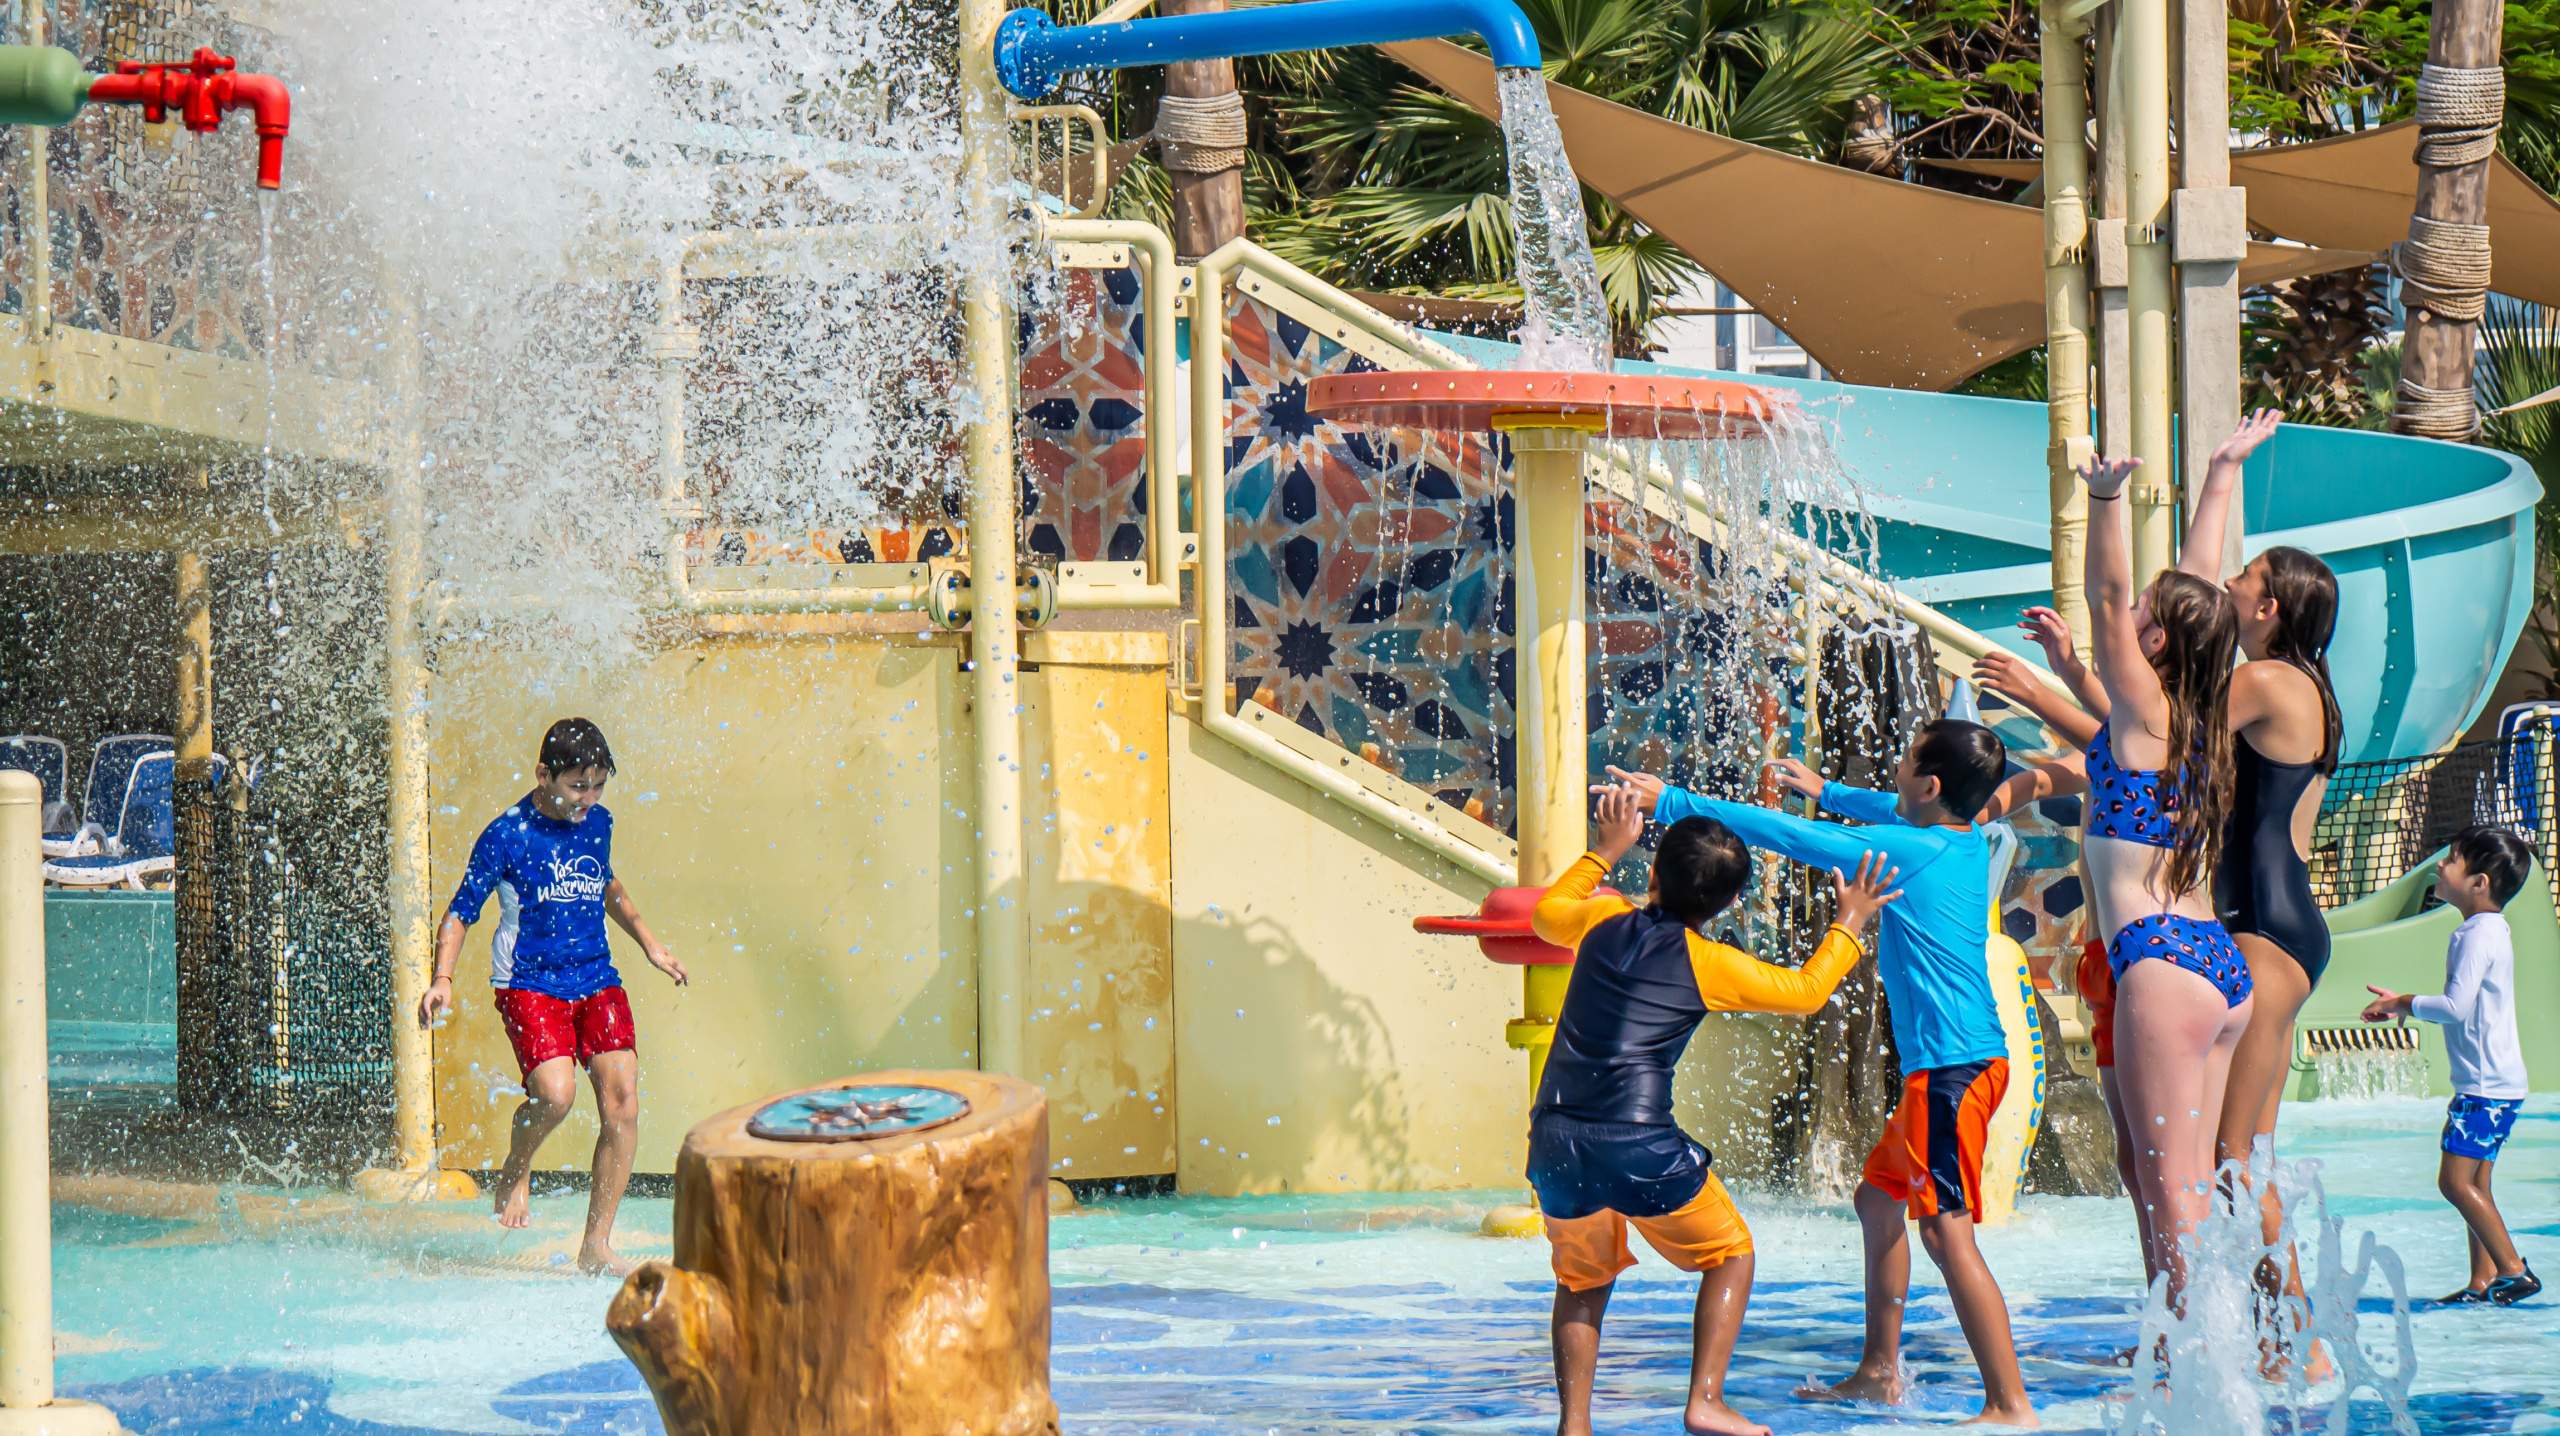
<point>855,1114</point>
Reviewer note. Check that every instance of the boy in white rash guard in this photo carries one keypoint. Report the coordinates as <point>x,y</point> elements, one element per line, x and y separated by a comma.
<point>2483,869</point>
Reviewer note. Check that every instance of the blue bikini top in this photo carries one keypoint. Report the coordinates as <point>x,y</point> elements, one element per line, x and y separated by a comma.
<point>2124,802</point>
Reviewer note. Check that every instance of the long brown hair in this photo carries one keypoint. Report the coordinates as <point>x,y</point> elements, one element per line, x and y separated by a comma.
<point>2194,666</point>
<point>2306,595</point>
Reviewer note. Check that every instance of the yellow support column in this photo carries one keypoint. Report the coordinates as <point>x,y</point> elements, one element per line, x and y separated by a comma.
<point>2151,295</point>
<point>414,1174</point>
<point>2066,311</point>
<point>1004,929</point>
<point>27,1404</point>
<point>1549,716</point>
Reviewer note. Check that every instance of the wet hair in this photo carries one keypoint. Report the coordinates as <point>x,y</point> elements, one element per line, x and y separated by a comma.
<point>2497,854</point>
<point>1967,759</point>
<point>574,745</point>
<point>2306,595</point>
<point>2202,627</point>
<point>1699,868</point>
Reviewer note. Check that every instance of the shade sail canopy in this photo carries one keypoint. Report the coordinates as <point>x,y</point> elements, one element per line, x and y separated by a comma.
<point>1882,282</point>
<point>2355,192</point>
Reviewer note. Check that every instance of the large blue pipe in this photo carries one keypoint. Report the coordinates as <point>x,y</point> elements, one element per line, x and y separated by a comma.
<point>1033,51</point>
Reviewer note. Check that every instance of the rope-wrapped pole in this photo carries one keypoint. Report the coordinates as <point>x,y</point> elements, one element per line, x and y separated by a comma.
<point>2444,263</point>
<point>1200,134</point>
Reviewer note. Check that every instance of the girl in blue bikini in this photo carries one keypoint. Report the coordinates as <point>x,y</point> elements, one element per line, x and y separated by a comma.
<point>2158,776</point>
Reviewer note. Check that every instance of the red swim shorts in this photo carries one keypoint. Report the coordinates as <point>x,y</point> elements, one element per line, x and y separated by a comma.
<point>2097,984</point>
<point>543,1027</point>
<point>1930,1158</point>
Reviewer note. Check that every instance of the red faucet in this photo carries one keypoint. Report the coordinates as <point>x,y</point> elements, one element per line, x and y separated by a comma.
<point>200,91</point>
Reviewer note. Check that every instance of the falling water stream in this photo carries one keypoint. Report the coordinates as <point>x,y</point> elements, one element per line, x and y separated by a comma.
<point>1567,323</point>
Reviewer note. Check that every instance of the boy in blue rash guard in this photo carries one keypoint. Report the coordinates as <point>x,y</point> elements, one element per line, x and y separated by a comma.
<point>1946,1029</point>
<point>549,862</point>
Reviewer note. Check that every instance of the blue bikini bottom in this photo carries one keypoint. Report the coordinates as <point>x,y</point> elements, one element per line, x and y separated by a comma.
<point>2200,945</point>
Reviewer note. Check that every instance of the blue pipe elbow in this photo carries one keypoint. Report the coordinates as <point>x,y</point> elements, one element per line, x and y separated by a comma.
<point>1033,52</point>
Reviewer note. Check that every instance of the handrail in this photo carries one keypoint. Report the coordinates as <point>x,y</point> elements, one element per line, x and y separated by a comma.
<point>677,344</point>
<point>1169,548</point>
<point>1101,153</point>
<point>1812,566</point>
<point>1209,497</point>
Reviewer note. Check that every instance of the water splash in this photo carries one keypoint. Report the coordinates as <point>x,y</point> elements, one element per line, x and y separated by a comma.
<point>2358,1076</point>
<point>2237,1355</point>
<point>1566,325</point>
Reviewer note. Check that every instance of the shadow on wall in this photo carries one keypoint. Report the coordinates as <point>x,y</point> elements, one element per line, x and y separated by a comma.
<point>1297,1046</point>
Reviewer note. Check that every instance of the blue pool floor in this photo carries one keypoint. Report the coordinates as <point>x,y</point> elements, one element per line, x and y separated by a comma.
<point>1362,1313</point>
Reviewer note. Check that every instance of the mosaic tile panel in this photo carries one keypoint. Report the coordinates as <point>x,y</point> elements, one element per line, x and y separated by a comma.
<point>1371,579</point>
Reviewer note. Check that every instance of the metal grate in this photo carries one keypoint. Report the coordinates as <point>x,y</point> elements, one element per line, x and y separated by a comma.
<point>2379,820</point>
<point>284,970</point>
<point>2317,1041</point>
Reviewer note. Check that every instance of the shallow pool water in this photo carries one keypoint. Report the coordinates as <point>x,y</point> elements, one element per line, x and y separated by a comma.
<point>1358,1313</point>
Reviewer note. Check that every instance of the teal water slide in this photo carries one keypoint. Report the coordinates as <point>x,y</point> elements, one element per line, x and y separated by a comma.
<point>2432,542</point>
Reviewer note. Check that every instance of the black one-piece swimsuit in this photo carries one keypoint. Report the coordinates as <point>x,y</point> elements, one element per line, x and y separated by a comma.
<point>2260,884</point>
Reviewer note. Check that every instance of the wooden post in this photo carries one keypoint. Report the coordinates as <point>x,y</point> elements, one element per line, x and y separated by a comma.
<point>2435,396</point>
<point>1208,204</point>
<point>2066,321</point>
<point>2208,237</point>
<point>892,1287</point>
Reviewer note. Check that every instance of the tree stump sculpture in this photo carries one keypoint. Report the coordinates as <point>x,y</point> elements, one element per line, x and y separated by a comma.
<point>840,1284</point>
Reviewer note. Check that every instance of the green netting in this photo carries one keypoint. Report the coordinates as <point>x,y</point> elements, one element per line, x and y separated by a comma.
<point>2378,820</point>
<point>284,965</point>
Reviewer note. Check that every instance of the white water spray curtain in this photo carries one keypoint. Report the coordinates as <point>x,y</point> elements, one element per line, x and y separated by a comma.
<point>1883,282</point>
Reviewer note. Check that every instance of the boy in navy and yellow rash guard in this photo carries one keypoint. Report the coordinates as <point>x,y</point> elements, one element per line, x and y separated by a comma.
<point>1603,1149</point>
<point>1946,1030</point>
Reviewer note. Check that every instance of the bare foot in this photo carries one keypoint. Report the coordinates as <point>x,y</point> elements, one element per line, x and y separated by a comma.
<point>2022,1415</point>
<point>512,1203</point>
<point>601,1261</point>
<point>1860,1385</point>
<point>1707,1416</point>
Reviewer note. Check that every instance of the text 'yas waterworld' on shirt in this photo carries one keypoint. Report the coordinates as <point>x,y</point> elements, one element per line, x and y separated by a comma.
<point>549,878</point>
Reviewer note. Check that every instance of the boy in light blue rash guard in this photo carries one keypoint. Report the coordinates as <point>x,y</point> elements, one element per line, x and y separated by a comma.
<point>549,862</point>
<point>1930,956</point>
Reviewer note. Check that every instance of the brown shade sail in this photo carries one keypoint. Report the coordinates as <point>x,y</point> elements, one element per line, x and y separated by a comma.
<point>1882,282</point>
<point>2355,192</point>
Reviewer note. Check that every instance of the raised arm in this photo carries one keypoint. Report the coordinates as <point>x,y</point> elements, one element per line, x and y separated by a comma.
<point>2209,516</point>
<point>1568,910</point>
<point>2115,646</point>
<point>2059,778</point>
<point>2008,675</point>
<point>1730,980</point>
<point>1815,844</point>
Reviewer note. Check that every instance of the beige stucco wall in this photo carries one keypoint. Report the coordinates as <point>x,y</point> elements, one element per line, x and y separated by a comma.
<point>1214,945</point>
<point>786,818</point>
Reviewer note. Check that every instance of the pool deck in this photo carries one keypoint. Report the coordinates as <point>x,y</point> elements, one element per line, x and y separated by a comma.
<point>308,1314</point>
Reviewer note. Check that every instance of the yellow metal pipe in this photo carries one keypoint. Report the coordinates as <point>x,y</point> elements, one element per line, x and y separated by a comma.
<point>1169,548</point>
<point>2150,289</point>
<point>1548,712</point>
<point>193,590</point>
<point>2066,310</point>
<point>26,1214</point>
<point>406,695</point>
<point>1004,927</point>
<point>27,1403</point>
<point>1209,509</point>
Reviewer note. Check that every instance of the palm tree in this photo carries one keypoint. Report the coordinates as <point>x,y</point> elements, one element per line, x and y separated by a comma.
<point>2520,360</point>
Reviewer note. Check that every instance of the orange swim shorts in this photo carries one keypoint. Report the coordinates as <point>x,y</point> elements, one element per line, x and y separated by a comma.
<point>1930,1158</point>
<point>1590,1251</point>
<point>2097,983</point>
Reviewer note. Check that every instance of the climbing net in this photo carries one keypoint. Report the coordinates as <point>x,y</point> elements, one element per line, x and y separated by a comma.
<point>2378,820</point>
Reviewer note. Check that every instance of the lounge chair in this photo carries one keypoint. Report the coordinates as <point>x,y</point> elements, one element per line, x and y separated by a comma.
<point>102,801</point>
<point>50,761</point>
<point>144,844</point>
